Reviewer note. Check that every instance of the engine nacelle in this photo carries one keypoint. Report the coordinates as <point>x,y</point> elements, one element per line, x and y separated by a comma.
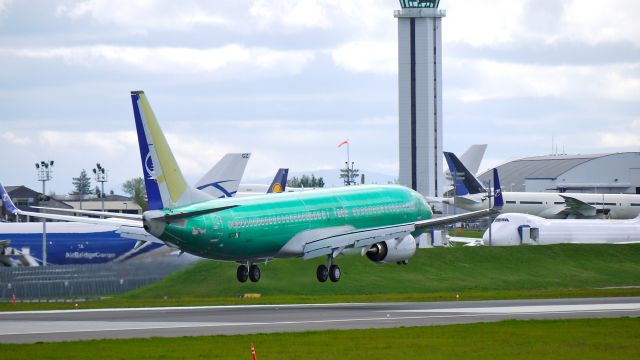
<point>394,250</point>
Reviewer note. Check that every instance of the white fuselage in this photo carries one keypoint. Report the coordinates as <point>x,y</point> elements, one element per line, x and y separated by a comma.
<point>551,205</point>
<point>517,229</point>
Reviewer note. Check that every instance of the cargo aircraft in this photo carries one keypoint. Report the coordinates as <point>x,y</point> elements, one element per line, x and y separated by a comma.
<point>380,222</point>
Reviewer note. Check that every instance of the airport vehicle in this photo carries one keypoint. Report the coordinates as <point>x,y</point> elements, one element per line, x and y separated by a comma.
<point>380,222</point>
<point>471,195</point>
<point>519,229</point>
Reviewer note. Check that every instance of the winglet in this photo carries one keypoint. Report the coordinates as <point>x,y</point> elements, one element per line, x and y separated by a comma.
<point>6,201</point>
<point>498,201</point>
<point>279,182</point>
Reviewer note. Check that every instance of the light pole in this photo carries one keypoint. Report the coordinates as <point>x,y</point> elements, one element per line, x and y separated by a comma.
<point>101,177</point>
<point>44,169</point>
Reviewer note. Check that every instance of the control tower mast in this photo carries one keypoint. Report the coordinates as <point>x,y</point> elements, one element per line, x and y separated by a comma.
<point>420,95</point>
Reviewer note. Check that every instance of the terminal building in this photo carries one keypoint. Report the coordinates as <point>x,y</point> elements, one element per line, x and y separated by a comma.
<point>613,173</point>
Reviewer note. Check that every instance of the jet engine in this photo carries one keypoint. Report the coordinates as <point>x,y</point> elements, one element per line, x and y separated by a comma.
<point>393,250</point>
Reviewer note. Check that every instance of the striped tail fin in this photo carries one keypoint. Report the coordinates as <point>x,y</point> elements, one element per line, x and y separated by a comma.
<point>165,176</point>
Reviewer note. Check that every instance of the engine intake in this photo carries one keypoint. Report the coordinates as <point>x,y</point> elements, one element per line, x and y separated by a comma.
<point>393,250</point>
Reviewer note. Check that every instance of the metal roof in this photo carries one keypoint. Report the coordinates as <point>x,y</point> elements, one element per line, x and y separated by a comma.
<point>536,167</point>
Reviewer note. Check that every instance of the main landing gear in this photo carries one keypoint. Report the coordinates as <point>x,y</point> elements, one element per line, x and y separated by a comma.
<point>332,271</point>
<point>252,272</point>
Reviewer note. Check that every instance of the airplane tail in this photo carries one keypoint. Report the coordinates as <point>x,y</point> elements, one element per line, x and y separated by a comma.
<point>6,201</point>
<point>498,201</point>
<point>279,183</point>
<point>473,157</point>
<point>224,177</point>
<point>465,182</point>
<point>172,186</point>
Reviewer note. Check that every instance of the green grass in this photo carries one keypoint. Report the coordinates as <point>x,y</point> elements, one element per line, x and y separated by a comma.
<point>438,270</point>
<point>548,339</point>
<point>473,273</point>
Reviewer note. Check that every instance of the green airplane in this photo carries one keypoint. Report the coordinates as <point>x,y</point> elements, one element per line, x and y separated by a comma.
<point>379,221</point>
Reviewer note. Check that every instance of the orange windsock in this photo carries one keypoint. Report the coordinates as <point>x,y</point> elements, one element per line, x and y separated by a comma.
<point>344,142</point>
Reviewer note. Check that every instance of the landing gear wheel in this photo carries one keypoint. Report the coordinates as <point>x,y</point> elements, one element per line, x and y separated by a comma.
<point>254,273</point>
<point>322,273</point>
<point>334,273</point>
<point>242,274</point>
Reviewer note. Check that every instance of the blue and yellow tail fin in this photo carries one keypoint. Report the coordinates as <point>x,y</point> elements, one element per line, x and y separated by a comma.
<point>279,183</point>
<point>165,172</point>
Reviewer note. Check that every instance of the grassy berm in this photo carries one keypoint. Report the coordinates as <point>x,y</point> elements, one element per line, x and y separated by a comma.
<point>471,272</point>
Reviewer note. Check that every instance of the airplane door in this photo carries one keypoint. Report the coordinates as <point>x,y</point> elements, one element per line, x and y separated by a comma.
<point>216,227</point>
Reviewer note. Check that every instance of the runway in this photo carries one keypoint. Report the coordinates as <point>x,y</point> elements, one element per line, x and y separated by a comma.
<point>33,326</point>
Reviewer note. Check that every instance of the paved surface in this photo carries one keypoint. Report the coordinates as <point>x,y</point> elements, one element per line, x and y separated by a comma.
<point>32,326</point>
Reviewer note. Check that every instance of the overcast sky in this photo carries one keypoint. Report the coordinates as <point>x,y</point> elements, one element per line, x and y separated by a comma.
<point>289,79</point>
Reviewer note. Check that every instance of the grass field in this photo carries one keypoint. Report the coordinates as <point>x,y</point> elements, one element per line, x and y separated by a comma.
<point>433,274</point>
<point>561,339</point>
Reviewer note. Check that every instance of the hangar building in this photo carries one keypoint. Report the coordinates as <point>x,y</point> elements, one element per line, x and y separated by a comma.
<point>612,173</point>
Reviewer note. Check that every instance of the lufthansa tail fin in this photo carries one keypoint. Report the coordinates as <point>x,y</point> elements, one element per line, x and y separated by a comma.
<point>279,183</point>
<point>172,186</point>
<point>465,182</point>
<point>224,177</point>
<point>498,201</point>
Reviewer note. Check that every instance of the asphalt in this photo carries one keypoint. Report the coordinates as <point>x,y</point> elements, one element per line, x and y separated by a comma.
<point>33,326</point>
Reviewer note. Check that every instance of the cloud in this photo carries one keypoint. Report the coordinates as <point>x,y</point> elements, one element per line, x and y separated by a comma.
<point>290,13</point>
<point>144,15</point>
<point>367,56</point>
<point>174,60</point>
<point>499,80</point>
<point>14,139</point>
<point>548,21</point>
<point>112,142</point>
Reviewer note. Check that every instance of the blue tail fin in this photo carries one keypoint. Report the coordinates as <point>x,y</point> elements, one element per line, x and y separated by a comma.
<point>465,182</point>
<point>154,200</point>
<point>279,183</point>
<point>6,201</point>
<point>498,202</point>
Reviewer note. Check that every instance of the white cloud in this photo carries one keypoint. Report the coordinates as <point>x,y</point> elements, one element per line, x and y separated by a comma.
<point>174,60</point>
<point>144,15</point>
<point>14,139</point>
<point>500,80</point>
<point>290,13</point>
<point>367,56</point>
<point>113,142</point>
<point>508,21</point>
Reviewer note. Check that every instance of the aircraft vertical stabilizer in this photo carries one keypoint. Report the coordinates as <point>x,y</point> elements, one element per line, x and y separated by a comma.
<point>279,182</point>
<point>232,167</point>
<point>173,188</point>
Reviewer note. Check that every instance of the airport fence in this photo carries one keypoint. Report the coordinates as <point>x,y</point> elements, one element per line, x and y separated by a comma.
<point>60,282</point>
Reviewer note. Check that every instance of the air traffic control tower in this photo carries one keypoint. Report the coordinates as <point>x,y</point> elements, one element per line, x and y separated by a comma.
<point>420,95</point>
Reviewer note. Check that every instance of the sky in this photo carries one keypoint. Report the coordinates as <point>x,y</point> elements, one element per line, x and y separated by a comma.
<point>288,80</point>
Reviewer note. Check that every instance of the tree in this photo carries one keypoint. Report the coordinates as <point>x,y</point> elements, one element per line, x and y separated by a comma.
<point>136,190</point>
<point>82,185</point>
<point>306,181</point>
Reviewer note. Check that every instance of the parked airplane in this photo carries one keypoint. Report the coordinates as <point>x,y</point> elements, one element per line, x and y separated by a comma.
<point>471,159</point>
<point>518,229</point>
<point>471,195</point>
<point>379,221</point>
<point>278,185</point>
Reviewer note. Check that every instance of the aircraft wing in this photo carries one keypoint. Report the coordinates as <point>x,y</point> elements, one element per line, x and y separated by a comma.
<point>94,213</point>
<point>465,241</point>
<point>364,238</point>
<point>578,207</point>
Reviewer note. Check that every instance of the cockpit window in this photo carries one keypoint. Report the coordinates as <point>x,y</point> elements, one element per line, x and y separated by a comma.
<point>501,220</point>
